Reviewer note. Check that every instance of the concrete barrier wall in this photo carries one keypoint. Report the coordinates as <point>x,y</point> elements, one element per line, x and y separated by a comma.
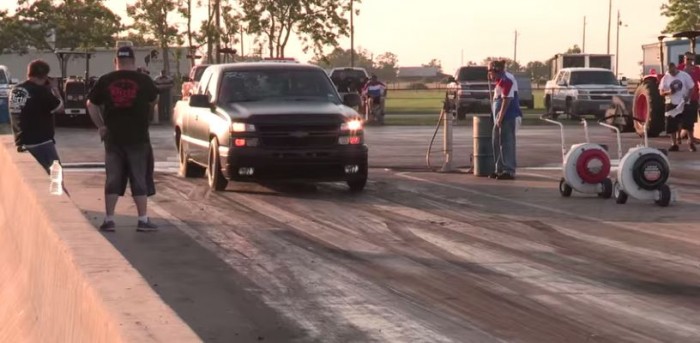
<point>60,279</point>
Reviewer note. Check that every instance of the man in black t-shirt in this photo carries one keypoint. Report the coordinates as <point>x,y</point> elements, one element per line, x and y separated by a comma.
<point>120,104</point>
<point>33,104</point>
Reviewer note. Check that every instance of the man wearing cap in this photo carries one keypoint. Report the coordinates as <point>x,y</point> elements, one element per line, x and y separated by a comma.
<point>507,118</point>
<point>120,104</point>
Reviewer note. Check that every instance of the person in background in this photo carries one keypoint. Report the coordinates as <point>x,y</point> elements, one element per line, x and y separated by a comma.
<point>120,105</point>
<point>676,86</point>
<point>507,113</point>
<point>32,106</point>
<point>690,117</point>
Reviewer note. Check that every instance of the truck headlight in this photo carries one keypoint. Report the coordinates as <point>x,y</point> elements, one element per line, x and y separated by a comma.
<point>242,127</point>
<point>352,125</point>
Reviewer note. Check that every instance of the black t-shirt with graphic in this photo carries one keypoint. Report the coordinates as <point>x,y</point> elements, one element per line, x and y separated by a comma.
<point>30,107</point>
<point>126,96</point>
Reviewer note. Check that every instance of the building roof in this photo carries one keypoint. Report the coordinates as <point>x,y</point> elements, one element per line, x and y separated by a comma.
<point>418,72</point>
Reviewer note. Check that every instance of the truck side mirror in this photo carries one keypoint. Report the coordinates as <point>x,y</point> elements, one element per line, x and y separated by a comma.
<point>451,79</point>
<point>623,81</point>
<point>199,100</point>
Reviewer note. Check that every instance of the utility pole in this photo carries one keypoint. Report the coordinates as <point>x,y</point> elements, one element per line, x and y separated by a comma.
<point>609,22</point>
<point>218,30</point>
<point>515,47</point>
<point>352,35</point>
<point>583,49</point>
<point>617,42</point>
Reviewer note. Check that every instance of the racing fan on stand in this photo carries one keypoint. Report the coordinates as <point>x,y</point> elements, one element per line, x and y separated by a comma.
<point>376,91</point>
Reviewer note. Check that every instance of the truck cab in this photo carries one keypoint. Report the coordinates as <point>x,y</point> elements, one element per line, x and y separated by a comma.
<point>468,91</point>
<point>256,121</point>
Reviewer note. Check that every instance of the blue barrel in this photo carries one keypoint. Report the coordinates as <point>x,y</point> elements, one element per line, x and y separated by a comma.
<point>483,163</point>
<point>4,110</point>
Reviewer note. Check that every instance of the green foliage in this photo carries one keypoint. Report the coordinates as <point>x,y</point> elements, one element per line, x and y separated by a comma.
<point>537,70</point>
<point>75,23</point>
<point>318,23</point>
<point>436,64</point>
<point>511,65</point>
<point>574,49</point>
<point>385,66</point>
<point>151,20</point>
<point>684,15</point>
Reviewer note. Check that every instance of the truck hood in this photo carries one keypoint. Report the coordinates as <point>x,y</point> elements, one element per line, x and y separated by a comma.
<point>319,108</point>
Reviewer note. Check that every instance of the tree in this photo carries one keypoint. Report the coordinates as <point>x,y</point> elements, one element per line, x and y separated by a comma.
<point>386,67</point>
<point>435,63</point>
<point>151,19</point>
<point>537,70</point>
<point>574,49</point>
<point>339,58</point>
<point>511,65</point>
<point>318,23</point>
<point>70,24</point>
<point>9,34</point>
<point>684,15</point>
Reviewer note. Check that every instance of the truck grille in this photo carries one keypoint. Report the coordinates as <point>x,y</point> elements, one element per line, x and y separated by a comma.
<point>297,131</point>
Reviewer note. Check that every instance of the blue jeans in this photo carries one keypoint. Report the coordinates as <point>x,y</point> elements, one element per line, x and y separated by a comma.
<point>504,146</point>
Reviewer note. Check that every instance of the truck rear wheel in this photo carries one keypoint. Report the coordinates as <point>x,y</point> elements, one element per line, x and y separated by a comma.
<point>648,107</point>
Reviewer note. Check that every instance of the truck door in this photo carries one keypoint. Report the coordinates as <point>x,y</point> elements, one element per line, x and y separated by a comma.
<point>198,139</point>
<point>560,90</point>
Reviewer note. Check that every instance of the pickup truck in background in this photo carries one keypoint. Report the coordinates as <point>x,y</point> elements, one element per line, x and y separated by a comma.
<point>6,83</point>
<point>584,91</point>
<point>468,91</point>
<point>190,82</point>
<point>263,121</point>
<point>349,80</point>
<point>525,90</point>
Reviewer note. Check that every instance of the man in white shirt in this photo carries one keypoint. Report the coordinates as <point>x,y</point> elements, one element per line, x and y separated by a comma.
<point>676,86</point>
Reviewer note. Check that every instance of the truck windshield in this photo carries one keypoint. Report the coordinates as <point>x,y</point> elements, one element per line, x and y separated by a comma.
<point>473,74</point>
<point>276,84</point>
<point>3,78</point>
<point>593,78</point>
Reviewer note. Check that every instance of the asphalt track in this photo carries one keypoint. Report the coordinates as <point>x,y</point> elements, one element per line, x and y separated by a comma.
<point>419,256</point>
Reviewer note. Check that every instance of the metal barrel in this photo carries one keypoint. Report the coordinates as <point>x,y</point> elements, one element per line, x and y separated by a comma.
<point>484,163</point>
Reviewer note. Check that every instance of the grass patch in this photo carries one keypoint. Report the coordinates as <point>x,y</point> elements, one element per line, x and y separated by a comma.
<point>529,119</point>
<point>430,101</point>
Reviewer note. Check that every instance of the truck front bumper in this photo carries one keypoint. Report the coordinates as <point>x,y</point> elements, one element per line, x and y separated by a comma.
<point>340,163</point>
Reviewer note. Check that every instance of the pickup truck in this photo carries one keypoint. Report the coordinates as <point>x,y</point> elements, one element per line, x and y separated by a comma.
<point>258,121</point>
<point>348,80</point>
<point>6,83</point>
<point>468,91</point>
<point>191,81</point>
<point>581,91</point>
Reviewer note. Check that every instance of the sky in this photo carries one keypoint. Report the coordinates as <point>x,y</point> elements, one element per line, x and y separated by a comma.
<point>459,31</point>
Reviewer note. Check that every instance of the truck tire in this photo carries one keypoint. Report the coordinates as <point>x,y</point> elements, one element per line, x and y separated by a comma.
<point>648,106</point>
<point>215,178</point>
